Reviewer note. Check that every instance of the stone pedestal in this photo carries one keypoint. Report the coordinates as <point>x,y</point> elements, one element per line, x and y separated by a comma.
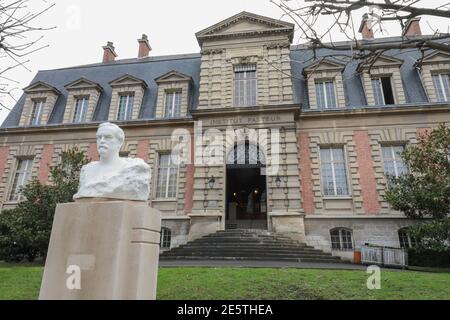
<point>290,224</point>
<point>113,246</point>
<point>203,224</point>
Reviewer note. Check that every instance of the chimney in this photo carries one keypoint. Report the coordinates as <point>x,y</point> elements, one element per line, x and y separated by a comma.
<point>412,28</point>
<point>366,28</point>
<point>144,47</point>
<point>109,54</point>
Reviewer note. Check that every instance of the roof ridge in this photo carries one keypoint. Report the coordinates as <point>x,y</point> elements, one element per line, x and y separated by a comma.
<point>130,61</point>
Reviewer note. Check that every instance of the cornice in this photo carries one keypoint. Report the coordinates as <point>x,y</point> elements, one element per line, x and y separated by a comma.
<point>353,112</point>
<point>94,126</point>
<point>236,111</point>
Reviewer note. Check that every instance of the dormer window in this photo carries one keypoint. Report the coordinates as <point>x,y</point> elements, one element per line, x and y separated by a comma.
<point>326,94</point>
<point>82,99</point>
<point>81,106</point>
<point>382,81</point>
<point>442,85</point>
<point>125,111</point>
<point>174,95</point>
<point>39,103</point>
<point>36,112</point>
<point>382,91</point>
<point>173,104</point>
<point>245,85</point>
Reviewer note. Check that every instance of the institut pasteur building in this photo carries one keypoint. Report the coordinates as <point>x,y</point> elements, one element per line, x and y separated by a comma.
<point>253,132</point>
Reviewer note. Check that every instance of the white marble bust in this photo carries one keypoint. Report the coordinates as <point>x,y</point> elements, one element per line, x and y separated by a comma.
<point>114,177</point>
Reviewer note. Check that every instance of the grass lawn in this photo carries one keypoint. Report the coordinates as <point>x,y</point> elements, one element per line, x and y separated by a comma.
<point>23,282</point>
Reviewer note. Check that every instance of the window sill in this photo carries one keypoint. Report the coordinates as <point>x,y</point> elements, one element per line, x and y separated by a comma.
<point>338,198</point>
<point>165,200</point>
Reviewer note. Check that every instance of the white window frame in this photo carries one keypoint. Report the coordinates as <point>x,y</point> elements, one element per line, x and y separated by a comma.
<point>341,239</point>
<point>83,113</point>
<point>411,243</point>
<point>380,83</point>
<point>127,106</point>
<point>166,237</point>
<point>38,107</point>
<point>165,195</point>
<point>393,158</point>
<point>171,112</point>
<point>333,169</point>
<point>446,95</point>
<point>246,96</point>
<point>15,194</point>
<point>325,92</point>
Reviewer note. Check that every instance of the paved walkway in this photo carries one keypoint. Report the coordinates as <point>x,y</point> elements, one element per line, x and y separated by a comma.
<point>258,264</point>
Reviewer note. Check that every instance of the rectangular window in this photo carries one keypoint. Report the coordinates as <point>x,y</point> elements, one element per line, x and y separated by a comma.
<point>334,173</point>
<point>125,107</point>
<point>166,187</point>
<point>21,177</point>
<point>326,95</point>
<point>36,112</point>
<point>173,104</point>
<point>382,91</point>
<point>245,85</point>
<point>393,162</point>
<point>442,86</point>
<point>81,106</point>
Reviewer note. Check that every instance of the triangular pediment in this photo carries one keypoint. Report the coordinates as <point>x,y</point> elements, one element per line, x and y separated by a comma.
<point>324,64</point>
<point>128,80</point>
<point>381,61</point>
<point>173,76</point>
<point>40,86</point>
<point>245,23</point>
<point>437,56</point>
<point>83,83</point>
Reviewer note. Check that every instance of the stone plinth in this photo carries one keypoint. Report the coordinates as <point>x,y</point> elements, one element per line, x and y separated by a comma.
<point>114,245</point>
<point>290,224</point>
<point>203,224</point>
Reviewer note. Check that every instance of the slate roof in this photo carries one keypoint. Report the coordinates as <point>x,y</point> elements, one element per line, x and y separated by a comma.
<point>149,69</point>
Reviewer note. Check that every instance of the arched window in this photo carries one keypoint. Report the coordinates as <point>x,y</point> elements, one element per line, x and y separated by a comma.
<point>406,241</point>
<point>341,239</point>
<point>166,238</point>
<point>246,153</point>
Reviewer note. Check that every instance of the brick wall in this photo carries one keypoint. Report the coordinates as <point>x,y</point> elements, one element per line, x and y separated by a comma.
<point>367,179</point>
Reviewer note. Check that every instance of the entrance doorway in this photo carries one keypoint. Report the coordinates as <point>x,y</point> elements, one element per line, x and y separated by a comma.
<point>246,191</point>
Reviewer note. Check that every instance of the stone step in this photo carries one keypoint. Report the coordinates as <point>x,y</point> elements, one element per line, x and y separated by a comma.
<point>250,240</point>
<point>251,259</point>
<point>252,255</point>
<point>248,248</point>
<point>248,245</point>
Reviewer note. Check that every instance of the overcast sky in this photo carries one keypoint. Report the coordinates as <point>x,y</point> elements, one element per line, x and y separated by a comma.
<point>84,26</point>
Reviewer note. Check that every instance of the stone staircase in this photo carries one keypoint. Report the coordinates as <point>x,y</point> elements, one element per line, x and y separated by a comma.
<point>248,245</point>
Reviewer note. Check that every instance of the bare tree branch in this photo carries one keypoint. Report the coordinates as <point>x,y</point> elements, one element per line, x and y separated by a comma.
<point>17,23</point>
<point>319,20</point>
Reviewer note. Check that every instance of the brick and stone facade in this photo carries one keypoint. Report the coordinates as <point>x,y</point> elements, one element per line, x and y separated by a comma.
<point>286,112</point>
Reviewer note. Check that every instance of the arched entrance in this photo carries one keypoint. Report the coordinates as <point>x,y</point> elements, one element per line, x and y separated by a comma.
<point>246,191</point>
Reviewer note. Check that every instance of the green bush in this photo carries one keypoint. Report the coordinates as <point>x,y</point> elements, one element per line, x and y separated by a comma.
<point>429,258</point>
<point>25,230</point>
